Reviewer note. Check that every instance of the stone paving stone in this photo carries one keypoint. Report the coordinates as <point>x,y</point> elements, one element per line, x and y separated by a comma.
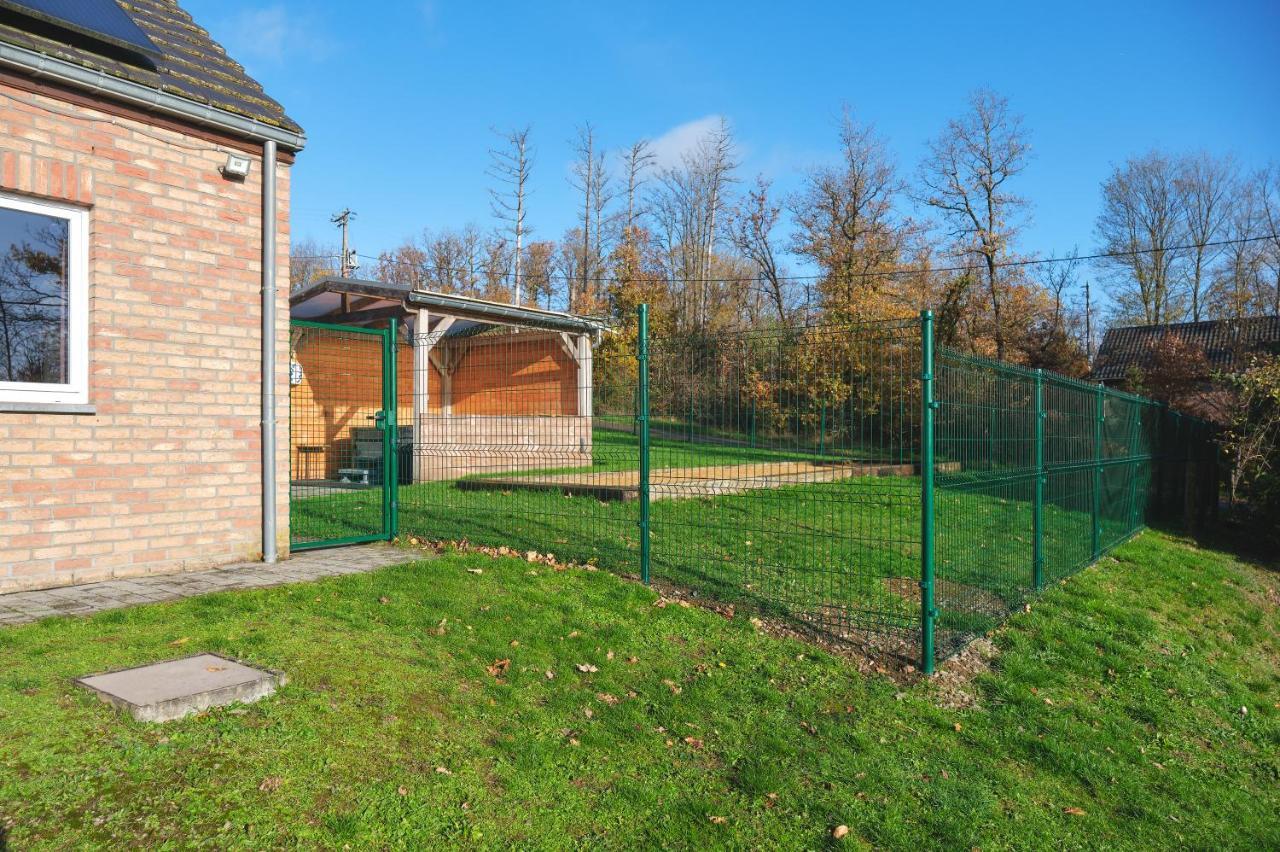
<point>24,607</point>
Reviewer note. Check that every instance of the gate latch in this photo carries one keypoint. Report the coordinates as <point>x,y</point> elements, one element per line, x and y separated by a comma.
<point>380,420</point>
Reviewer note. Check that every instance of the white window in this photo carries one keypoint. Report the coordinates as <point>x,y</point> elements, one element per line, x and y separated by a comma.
<point>44,303</point>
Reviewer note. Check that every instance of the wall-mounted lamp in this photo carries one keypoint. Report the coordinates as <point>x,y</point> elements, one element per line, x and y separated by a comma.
<point>236,167</point>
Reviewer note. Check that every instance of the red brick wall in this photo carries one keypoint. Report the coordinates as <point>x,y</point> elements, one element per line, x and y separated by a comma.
<point>166,473</point>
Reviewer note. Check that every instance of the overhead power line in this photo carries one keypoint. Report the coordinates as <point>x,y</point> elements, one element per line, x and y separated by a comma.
<point>881,273</point>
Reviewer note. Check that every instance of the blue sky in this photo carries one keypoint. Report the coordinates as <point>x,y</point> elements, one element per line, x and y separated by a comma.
<point>398,98</point>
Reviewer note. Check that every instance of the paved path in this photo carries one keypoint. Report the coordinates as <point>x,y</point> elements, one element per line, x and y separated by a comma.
<point>21,607</point>
<point>686,482</point>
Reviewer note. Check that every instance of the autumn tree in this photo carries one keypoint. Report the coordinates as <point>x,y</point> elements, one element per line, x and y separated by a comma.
<point>966,179</point>
<point>845,222</point>
<point>751,232</point>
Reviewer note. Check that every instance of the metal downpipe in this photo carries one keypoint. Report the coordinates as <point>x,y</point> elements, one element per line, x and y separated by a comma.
<point>269,554</point>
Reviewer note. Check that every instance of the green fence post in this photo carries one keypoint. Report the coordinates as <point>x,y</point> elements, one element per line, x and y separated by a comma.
<point>822,432</point>
<point>1037,515</point>
<point>1097,472</point>
<point>642,417</point>
<point>928,614</point>
<point>391,431</point>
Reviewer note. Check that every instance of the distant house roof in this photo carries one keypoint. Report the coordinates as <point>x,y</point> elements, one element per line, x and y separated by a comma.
<point>1227,344</point>
<point>352,301</point>
<point>186,61</point>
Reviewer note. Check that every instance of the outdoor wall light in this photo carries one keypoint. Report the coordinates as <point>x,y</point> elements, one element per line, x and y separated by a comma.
<point>236,167</point>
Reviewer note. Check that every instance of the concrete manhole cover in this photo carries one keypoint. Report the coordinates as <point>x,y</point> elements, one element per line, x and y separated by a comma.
<point>176,688</point>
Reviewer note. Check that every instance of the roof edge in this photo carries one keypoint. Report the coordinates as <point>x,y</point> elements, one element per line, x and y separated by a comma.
<point>99,82</point>
<point>537,317</point>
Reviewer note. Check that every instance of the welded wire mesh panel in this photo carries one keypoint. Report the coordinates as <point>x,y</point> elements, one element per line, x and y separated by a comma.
<point>1039,475</point>
<point>336,450</point>
<point>985,449</point>
<point>784,471</point>
<point>519,440</point>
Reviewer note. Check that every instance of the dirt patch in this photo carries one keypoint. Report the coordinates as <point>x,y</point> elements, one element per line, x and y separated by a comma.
<point>952,684</point>
<point>951,595</point>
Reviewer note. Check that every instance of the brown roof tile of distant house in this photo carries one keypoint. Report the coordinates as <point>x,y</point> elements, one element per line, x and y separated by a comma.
<point>1227,344</point>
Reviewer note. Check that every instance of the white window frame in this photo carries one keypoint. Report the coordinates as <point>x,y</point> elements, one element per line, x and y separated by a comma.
<point>76,390</point>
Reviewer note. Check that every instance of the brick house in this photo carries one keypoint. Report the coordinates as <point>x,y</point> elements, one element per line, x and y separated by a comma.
<point>144,178</point>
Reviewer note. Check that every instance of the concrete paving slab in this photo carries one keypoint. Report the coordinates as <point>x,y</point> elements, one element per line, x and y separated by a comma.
<point>170,690</point>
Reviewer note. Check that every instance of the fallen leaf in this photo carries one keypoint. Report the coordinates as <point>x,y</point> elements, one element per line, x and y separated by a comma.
<point>402,790</point>
<point>671,685</point>
<point>718,820</point>
<point>957,727</point>
<point>693,743</point>
<point>443,770</point>
<point>384,600</point>
<point>498,667</point>
<point>631,661</point>
<point>607,698</point>
<point>185,639</point>
<point>515,643</point>
<point>586,668</point>
<point>271,784</point>
<point>840,832</point>
<point>215,668</point>
<point>588,712</point>
<point>1073,811</point>
<point>550,675</point>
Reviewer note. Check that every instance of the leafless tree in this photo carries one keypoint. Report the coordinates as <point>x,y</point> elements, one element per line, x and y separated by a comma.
<point>1142,225</point>
<point>1204,186</point>
<point>637,161</point>
<point>965,178</point>
<point>688,204</point>
<point>751,233</point>
<point>1268,194</point>
<point>510,166</point>
<point>591,178</point>
<point>310,261</point>
<point>1059,279</point>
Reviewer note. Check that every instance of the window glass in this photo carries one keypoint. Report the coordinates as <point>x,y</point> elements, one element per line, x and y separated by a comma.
<point>35,307</point>
<point>34,298</point>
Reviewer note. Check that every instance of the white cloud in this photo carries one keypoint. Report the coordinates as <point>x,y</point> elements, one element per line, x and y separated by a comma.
<point>275,34</point>
<point>681,139</point>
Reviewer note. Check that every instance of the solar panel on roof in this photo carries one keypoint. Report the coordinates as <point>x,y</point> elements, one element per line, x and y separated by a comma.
<point>103,20</point>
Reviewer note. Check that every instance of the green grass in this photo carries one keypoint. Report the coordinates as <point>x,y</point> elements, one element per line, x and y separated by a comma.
<point>813,551</point>
<point>1118,694</point>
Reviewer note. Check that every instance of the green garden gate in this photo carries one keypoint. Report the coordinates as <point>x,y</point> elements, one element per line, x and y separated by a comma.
<point>344,441</point>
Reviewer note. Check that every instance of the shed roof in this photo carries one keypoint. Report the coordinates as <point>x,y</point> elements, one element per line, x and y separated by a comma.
<point>1227,344</point>
<point>189,63</point>
<point>323,300</point>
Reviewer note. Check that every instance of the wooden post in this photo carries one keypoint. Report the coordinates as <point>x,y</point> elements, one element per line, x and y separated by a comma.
<point>422,343</point>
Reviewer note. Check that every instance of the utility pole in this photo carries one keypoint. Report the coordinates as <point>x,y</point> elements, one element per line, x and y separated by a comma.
<point>1088,325</point>
<point>343,221</point>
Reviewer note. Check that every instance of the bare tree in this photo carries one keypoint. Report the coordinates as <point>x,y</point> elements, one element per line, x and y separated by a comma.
<point>1204,186</point>
<point>688,204</point>
<point>751,233</point>
<point>637,161</point>
<point>1268,192</point>
<point>1142,225</point>
<point>1058,277</point>
<point>310,261</point>
<point>965,178</point>
<point>1238,288</point>
<point>844,214</point>
<point>590,177</point>
<point>510,166</point>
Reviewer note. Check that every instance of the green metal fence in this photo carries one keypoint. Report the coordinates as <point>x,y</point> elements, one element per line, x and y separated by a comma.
<point>852,480</point>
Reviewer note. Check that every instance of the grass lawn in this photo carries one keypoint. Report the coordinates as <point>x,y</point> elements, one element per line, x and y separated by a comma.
<point>820,551</point>
<point>1112,717</point>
